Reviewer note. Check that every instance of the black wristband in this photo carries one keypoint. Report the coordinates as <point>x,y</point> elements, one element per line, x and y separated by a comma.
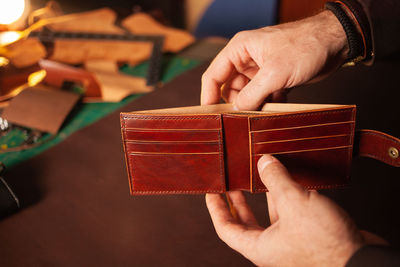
<point>362,19</point>
<point>354,39</point>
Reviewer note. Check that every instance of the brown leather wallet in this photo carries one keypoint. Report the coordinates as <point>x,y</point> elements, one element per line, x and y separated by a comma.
<point>215,148</point>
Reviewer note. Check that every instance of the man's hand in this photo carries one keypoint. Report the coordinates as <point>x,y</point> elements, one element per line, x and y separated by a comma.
<point>307,229</point>
<point>258,63</point>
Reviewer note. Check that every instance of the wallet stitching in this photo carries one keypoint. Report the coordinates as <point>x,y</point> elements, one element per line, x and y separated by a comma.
<point>270,116</point>
<point>304,150</point>
<point>171,130</point>
<point>305,115</point>
<point>303,126</point>
<point>251,182</point>
<point>221,166</point>
<point>171,153</point>
<point>350,150</point>
<point>222,176</point>
<point>201,145</point>
<point>253,164</point>
<point>151,142</point>
<point>144,192</point>
<point>128,163</point>
<point>149,117</point>
<point>304,138</point>
<point>391,140</point>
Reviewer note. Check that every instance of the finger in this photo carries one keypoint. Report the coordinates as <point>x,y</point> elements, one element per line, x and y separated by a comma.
<point>282,189</point>
<point>244,213</point>
<point>264,83</point>
<point>235,235</point>
<point>219,71</point>
<point>273,215</point>
<point>237,81</point>
<point>248,69</point>
<point>229,95</point>
<point>231,88</point>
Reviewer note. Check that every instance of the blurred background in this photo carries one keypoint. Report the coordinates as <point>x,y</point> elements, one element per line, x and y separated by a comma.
<point>229,15</point>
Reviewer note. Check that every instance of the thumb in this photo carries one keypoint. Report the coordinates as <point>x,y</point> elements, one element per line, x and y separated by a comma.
<point>282,188</point>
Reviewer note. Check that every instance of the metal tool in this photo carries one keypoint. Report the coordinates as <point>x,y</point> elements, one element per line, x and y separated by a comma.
<point>153,72</point>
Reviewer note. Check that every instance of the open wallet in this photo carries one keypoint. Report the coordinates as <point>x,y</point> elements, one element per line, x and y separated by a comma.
<point>204,149</point>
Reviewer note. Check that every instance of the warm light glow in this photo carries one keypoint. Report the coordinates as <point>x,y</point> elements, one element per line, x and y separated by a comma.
<point>36,77</point>
<point>9,37</point>
<point>4,61</point>
<point>11,10</point>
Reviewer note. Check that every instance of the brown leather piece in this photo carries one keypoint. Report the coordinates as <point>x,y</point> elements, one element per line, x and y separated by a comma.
<point>377,145</point>
<point>55,70</point>
<point>164,166</point>
<point>43,109</point>
<point>314,141</point>
<point>236,134</point>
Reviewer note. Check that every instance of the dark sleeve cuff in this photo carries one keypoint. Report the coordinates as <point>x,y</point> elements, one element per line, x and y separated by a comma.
<point>361,19</point>
<point>371,256</point>
<point>383,18</point>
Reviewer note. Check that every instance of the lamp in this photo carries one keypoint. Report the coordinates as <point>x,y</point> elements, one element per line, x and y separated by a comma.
<point>13,14</point>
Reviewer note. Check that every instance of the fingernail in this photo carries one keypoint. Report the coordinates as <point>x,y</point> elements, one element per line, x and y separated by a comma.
<point>264,161</point>
<point>235,108</point>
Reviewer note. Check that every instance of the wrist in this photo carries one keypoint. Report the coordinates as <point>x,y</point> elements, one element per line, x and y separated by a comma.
<point>333,35</point>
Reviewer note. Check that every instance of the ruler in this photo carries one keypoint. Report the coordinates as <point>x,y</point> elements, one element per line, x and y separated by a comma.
<point>154,69</point>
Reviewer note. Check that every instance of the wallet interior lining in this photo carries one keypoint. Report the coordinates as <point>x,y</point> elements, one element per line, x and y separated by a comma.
<point>302,127</point>
<point>228,108</point>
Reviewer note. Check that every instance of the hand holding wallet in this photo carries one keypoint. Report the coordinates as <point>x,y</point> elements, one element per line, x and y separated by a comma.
<point>214,148</point>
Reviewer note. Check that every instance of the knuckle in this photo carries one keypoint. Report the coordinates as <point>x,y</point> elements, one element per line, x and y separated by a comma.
<point>240,35</point>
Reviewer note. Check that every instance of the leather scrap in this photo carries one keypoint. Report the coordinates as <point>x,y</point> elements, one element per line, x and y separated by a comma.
<point>41,109</point>
<point>113,84</point>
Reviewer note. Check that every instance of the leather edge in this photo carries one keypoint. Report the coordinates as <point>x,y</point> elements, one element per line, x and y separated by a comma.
<point>127,167</point>
<point>376,145</point>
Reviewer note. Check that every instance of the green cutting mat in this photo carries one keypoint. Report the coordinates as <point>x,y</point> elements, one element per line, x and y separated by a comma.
<point>85,114</point>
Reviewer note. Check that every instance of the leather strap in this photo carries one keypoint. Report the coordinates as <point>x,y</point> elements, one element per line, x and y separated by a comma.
<point>377,145</point>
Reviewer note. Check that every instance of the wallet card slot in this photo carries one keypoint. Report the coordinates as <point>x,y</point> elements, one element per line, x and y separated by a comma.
<point>151,121</point>
<point>185,135</point>
<point>173,147</point>
<point>176,173</point>
<point>285,146</point>
<point>306,150</point>
<point>314,169</point>
<point>327,129</point>
<point>302,119</point>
